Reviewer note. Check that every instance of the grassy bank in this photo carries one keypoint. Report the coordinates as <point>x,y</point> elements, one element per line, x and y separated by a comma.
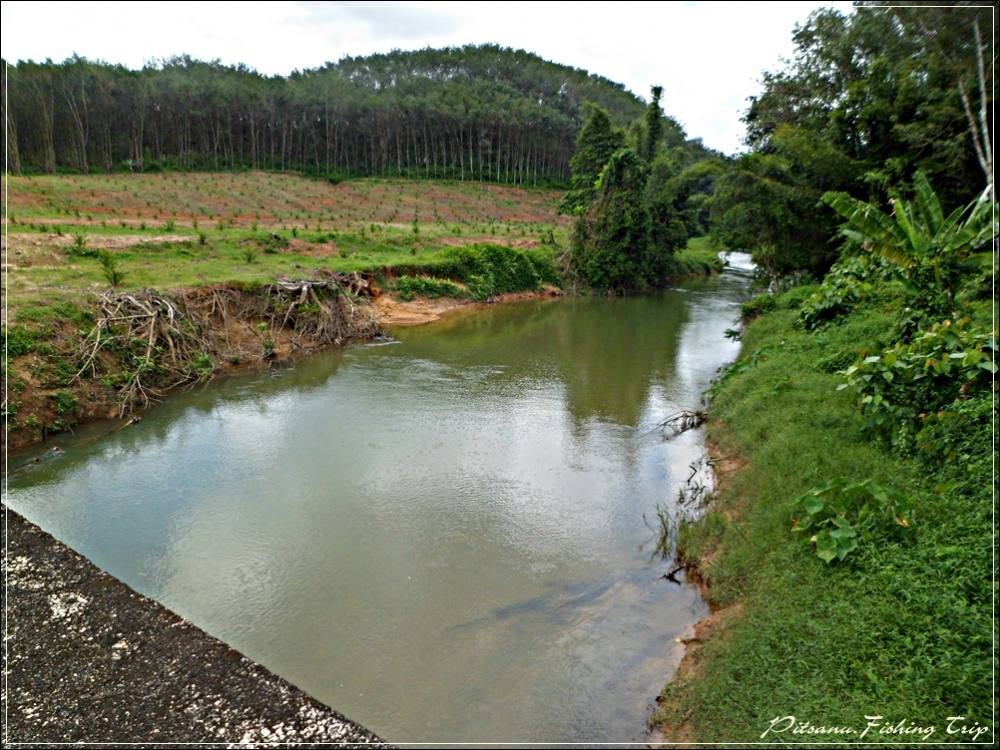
<point>901,628</point>
<point>700,256</point>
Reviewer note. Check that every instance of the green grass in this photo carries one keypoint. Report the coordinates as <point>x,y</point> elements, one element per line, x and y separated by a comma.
<point>900,629</point>
<point>237,256</point>
<point>409,287</point>
<point>701,255</point>
<point>251,227</point>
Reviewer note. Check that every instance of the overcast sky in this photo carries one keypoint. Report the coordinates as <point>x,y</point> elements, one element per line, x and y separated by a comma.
<point>708,56</point>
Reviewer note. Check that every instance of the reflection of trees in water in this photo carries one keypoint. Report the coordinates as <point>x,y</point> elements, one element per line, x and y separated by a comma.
<point>606,353</point>
<point>612,350</point>
<point>154,429</point>
<point>603,354</point>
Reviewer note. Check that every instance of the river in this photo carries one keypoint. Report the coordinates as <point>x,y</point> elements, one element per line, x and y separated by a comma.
<point>446,538</point>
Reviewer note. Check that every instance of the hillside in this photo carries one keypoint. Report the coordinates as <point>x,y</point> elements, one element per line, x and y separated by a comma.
<point>482,113</point>
<point>169,230</point>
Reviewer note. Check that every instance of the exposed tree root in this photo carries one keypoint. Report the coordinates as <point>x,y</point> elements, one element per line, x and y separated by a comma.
<point>147,342</point>
<point>151,330</point>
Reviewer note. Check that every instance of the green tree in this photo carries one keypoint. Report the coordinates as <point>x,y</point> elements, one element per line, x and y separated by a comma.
<point>768,202</point>
<point>653,130</point>
<point>597,142</point>
<point>478,112</point>
<point>885,85</point>
<point>612,249</point>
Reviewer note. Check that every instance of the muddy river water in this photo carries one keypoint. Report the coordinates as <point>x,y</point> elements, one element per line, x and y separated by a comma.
<point>446,538</point>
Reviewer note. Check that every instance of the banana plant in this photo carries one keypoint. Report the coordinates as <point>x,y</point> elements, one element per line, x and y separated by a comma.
<point>917,236</point>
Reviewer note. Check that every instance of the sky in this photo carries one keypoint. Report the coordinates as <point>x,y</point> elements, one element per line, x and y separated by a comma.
<point>708,56</point>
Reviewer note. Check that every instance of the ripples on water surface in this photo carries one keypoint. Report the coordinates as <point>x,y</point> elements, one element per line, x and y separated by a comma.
<point>442,538</point>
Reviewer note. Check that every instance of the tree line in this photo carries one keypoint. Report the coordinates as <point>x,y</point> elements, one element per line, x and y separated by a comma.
<point>870,103</point>
<point>869,100</point>
<point>472,113</point>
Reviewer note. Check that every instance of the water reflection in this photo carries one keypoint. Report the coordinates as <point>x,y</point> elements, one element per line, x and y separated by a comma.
<point>442,538</point>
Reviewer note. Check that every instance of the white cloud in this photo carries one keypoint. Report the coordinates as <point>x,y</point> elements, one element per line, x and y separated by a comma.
<point>707,55</point>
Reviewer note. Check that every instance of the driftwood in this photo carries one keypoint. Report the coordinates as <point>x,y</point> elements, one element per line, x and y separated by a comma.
<point>672,575</point>
<point>682,421</point>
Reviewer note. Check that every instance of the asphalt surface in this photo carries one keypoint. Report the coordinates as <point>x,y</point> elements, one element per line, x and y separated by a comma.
<point>87,659</point>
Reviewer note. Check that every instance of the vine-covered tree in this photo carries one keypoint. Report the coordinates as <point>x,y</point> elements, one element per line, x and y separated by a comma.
<point>612,247</point>
<point>597,142</point>
<point>638,196</point>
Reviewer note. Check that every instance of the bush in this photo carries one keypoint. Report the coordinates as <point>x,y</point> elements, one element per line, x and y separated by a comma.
<point>109,267</point>
<point>758,305</point>
<point>65,403</point>
<point>843,288</point>
<point>908,381</point>
<point>489,270</point>
<point>274,243</point>
<point>836,516</point>
<point>409,287</point>
<point>203,366</point>
<point>959,435</point>
<point>795,297</point>
<point>79,248</point>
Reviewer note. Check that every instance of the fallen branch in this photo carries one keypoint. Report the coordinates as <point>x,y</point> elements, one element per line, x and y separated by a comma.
<point>682,421</point>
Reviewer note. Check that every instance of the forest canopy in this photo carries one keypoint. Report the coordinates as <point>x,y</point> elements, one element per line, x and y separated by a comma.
<point>484,113</point>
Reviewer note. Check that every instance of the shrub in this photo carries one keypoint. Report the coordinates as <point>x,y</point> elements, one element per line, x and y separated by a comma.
<point>843,288</point>
<point>109,267</point>
<point>836,516</point>
<point>489,270</point>
<point>908,381</point>
<point>79,248</point>
<point>758,305</point>
<point>959,435</point>
<point>64,402</point>
<point>409,287</point>
<point>795,297</point>
<point>203,366</point>
<point>273,243</point>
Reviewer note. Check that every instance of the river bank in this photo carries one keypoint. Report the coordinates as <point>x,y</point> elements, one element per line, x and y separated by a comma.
<point>474,553</point>
<point>74,363</point>
<point>901,628</point>
<point>240,335</point>
<point>90,660</point>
